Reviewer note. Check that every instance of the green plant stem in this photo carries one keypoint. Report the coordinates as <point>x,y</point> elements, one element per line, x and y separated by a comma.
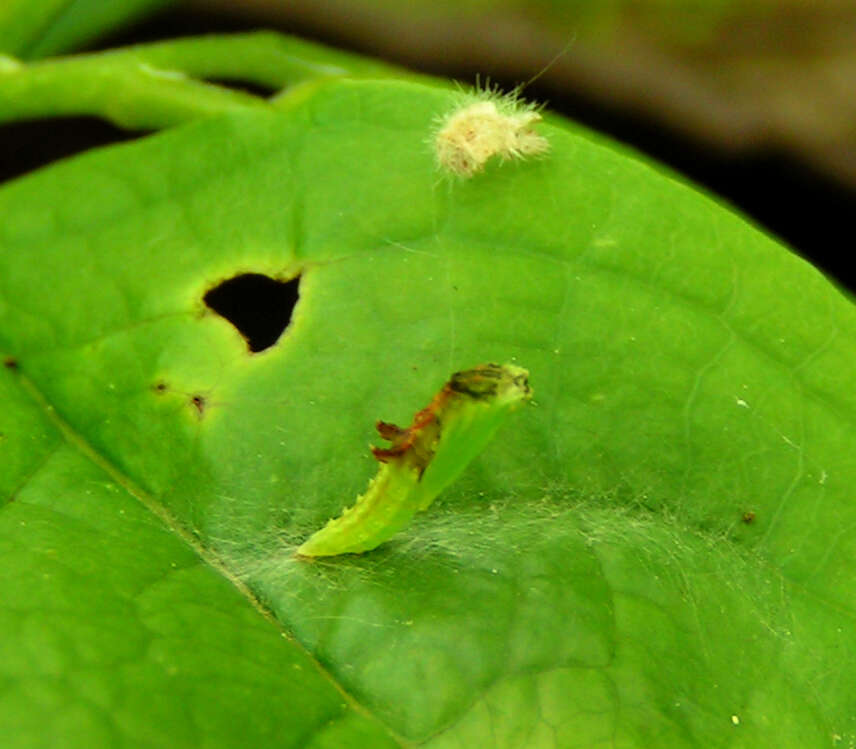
<point>155,85</point>
<point>264,58</point>
<point>126,91</point>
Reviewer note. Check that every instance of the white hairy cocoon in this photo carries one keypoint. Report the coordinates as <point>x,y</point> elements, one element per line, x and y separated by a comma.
<point>493,125</point>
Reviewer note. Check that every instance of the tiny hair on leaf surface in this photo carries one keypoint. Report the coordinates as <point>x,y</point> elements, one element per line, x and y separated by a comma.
<point>425,457</point>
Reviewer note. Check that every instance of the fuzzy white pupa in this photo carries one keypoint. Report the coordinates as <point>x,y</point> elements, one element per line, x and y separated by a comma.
<point>487,124</point>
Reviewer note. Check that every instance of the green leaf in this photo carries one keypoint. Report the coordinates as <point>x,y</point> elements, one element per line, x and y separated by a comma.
<point>117,632</point>
<point>31,29</point>
<point>593,578</point>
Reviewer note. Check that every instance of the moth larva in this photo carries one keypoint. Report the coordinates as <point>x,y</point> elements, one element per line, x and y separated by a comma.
<point>424,458</point>
<point>491,124</point>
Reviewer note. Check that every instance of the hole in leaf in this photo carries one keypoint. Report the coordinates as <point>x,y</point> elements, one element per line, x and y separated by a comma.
<point>198,402</point>
<point>258,306</point>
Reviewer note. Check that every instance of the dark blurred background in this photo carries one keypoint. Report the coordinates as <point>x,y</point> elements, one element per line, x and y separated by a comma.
<point>754,100</point>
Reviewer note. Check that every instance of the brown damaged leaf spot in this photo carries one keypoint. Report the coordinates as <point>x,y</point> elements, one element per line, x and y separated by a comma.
<point>10,362</point>
<point>199,403</point>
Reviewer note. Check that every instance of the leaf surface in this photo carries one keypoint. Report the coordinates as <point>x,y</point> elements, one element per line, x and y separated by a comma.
<point>658,553</point>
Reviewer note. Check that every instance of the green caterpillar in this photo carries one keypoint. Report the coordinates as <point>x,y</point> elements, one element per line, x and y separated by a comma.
<point>424,458</point>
